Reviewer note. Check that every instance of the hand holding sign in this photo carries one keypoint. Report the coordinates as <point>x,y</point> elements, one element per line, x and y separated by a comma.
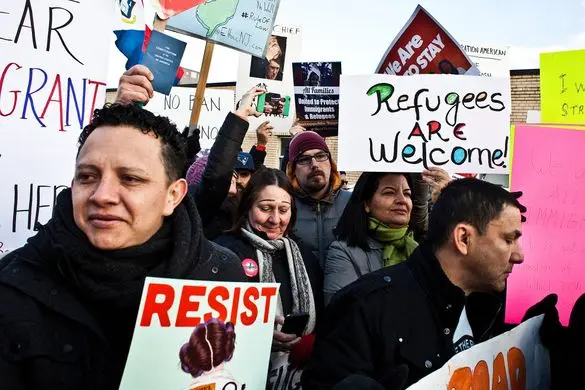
<point>263,132</point>
<point>135,85</point>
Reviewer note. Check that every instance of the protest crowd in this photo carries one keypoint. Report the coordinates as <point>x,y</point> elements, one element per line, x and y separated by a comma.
<point>379,285</point>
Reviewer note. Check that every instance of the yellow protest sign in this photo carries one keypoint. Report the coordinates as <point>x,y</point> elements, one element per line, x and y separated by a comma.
<point>562,87</point>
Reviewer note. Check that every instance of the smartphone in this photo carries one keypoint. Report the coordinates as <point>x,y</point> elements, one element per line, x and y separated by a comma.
<point>275,101</point>
<point>295,323</point>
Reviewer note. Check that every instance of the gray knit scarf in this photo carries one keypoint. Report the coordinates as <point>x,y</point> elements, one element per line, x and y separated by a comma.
<point>303,299</point>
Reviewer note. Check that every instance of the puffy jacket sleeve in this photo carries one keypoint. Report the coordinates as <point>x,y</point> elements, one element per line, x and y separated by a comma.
<point>258,156</point>
<point>216,180</point>
<point>339,270</point>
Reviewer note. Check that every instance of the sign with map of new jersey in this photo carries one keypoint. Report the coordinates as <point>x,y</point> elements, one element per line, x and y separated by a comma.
<point>243,25</point>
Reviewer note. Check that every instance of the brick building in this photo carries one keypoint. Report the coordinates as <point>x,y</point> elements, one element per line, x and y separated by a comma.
<point>525,92</point>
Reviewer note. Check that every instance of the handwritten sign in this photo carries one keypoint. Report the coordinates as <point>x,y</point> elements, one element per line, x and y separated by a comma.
<point>515,360</point>
<point>406,124</point>
<point>177,106</point>
<point>50,82</point>
<point>562,87</point>
<point>193,334</point>
<point>548,167</point>
<point>423,46</point>
<point>274,73</point>
<point>243,25</point>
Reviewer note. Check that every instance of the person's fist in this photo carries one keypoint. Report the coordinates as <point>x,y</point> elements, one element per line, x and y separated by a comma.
<point>263,132</point>
<point>135,86</point>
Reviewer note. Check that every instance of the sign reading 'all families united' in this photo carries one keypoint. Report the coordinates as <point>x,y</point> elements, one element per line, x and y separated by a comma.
<point>406,124</point>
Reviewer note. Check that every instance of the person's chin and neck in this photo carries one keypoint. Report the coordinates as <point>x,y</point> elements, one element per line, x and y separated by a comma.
<point>120,203</point>
<point>479,262</point>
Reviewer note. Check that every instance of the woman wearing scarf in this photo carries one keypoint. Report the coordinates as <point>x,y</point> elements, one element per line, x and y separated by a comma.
<point>376,229</point>
<point>261,239</point>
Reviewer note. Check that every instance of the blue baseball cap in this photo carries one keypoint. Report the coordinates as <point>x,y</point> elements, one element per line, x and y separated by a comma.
<point>245,162</point>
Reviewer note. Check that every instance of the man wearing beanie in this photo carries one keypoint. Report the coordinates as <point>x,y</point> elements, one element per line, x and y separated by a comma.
<point>319,198</point>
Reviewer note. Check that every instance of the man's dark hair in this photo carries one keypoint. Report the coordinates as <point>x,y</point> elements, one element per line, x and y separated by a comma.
<point>472,201</point>
<point>173,146</point>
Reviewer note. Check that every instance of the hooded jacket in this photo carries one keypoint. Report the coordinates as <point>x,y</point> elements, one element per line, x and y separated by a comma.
<point>62,327</point>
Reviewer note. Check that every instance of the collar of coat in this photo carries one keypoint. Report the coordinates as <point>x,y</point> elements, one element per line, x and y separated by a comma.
<point>484,311</point>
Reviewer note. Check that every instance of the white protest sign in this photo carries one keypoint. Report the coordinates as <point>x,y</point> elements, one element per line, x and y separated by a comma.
<point>177,106</point>
<point>492,61</point>
<point>273,72</point>
<point>53,74</point>
<point>391,123</point>
<point>515,360</point>
<point>198,335</point>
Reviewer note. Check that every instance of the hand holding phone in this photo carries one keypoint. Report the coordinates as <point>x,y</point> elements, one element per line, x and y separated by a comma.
<point>295,323</point>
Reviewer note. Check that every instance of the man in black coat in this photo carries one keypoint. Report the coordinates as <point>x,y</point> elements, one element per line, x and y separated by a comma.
<point>401,323</point>
<point>69,298</point>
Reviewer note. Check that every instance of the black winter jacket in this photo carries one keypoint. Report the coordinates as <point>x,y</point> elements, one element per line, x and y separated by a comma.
<point>50,337</point>
<point>401,315</point>
<point>217,177</point>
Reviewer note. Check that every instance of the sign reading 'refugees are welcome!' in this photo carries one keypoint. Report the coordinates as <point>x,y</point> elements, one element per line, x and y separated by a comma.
<point>407,124</point>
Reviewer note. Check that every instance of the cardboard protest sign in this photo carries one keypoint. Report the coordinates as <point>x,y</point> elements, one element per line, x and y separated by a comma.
<point>423,46</point>
<point>549,168</point>
<point>274,73</point>
<point>51,81</point>
<point>200,335</point>
<point>515,360</point>
<point>406,124</point>
<point>492,61</point>
<point>317,96</point>
<point>562,87</point>
<point>243,25</point>
<point>177,106</point>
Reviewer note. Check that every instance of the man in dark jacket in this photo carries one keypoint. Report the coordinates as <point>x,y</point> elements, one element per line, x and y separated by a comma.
<point>69,298</point>
<point>399,324</point>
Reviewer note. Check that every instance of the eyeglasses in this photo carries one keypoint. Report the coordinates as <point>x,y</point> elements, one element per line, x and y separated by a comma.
<point>306,160</point>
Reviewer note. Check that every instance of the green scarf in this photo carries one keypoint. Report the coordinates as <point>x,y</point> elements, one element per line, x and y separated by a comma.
<point>398,243</point>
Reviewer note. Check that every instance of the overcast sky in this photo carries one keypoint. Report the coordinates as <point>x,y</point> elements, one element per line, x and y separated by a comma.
<point>358,32</point>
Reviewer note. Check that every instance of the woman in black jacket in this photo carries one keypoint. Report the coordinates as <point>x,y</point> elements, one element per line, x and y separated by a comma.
<point>261,240</point>
<point>69,298</point>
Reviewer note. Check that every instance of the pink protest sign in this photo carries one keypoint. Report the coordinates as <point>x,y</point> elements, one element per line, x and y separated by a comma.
<point>549,167</point>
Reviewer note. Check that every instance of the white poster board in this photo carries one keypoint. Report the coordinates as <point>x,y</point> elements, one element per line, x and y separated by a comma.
<point>391,123</point>
<point>492,61</point>
<point>52,76</point>
<point>177,106</point>
<point>173,321</point>
<point>289,39</point>
<point>515,360</point>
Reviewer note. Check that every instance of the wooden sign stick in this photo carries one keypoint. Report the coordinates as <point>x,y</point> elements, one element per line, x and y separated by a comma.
<point>201,83</point>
